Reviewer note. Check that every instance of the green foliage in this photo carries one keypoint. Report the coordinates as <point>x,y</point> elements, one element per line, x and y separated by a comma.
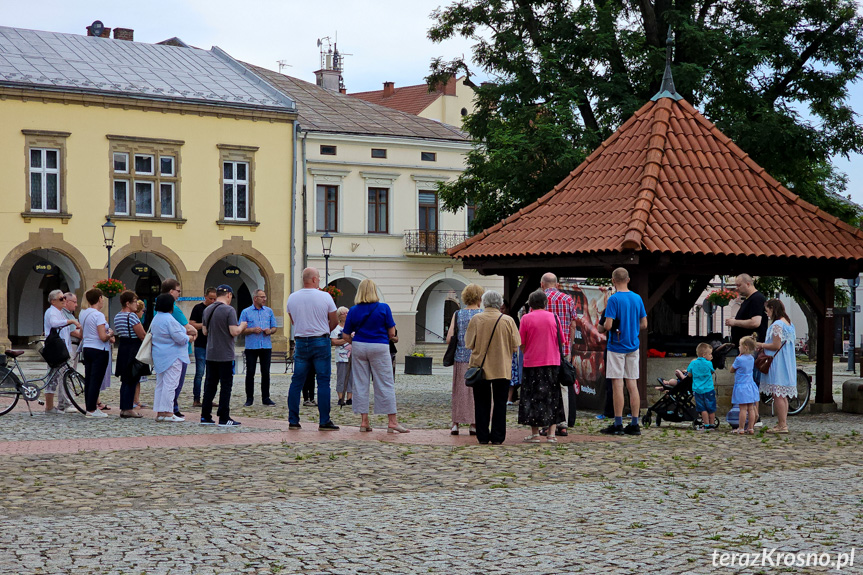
<point>568,73</point>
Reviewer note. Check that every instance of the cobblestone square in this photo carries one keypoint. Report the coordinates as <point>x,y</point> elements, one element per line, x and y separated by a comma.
<point>136,496</point>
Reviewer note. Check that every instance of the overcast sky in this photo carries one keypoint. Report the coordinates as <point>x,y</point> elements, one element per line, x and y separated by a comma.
<point>386,39</point>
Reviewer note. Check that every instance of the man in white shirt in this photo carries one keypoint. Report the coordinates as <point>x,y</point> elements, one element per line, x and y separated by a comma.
<point>313,314</point>
<point>54,318</point>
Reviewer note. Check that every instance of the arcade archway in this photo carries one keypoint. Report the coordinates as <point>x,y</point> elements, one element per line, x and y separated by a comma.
<point>437,303</point>
<point>143,273</point>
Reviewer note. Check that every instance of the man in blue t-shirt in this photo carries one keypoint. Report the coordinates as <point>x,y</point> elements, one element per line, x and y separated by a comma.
<point>625,317</point>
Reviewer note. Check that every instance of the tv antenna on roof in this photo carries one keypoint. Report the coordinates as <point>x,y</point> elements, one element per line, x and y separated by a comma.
<point>283,64</point>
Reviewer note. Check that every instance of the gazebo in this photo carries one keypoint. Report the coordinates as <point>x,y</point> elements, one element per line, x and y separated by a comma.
<point>676,202</point>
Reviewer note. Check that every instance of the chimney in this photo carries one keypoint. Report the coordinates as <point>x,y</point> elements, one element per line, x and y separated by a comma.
<point>124,34</point>
<point>389,89</point>
<point>328,79</point>
<point>343,90</point>
<point>106,32</point>
<point>449,88</point>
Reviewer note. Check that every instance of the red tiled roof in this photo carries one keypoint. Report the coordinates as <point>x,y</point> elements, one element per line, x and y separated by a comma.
<point>409,99</point>
<point>668,181</point>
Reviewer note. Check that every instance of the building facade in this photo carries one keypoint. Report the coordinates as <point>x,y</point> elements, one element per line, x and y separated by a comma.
<point>368,177</point>
<point>449,103</point>
<point>187,152</point>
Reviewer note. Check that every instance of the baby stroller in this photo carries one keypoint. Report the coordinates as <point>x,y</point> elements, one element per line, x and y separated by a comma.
<point>676,404</point>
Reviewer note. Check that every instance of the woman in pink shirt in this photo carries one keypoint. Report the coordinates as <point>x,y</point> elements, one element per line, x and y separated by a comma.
<point>541,401</point>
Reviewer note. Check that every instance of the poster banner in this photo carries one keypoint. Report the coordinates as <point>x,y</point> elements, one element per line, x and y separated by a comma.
<point>588,345</point>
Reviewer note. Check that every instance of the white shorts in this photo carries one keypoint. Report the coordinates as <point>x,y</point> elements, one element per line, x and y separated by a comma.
<point>622,365</point>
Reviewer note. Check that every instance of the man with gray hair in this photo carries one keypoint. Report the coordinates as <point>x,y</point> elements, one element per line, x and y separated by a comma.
<point>261,324</point>
<point>563,308</point>
<point>54,319</point>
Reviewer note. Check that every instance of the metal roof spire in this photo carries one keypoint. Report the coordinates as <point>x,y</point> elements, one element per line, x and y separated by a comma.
<point>667,89</point>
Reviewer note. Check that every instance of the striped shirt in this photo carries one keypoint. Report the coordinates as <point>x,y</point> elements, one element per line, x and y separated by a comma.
<point>124,324</point>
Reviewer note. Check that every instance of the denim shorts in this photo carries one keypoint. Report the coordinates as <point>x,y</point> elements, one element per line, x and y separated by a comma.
<point>705,402</point>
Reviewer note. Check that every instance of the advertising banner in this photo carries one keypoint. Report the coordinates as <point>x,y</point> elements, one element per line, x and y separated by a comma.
<point>588,345</point>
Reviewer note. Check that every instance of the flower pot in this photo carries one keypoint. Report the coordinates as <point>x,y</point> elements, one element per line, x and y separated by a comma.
<point>418,365</point>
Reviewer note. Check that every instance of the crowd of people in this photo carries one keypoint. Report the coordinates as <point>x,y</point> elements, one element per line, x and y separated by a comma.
<point>495,352</point>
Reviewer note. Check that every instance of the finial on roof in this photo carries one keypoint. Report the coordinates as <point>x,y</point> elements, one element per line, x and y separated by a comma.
<point>667,89</point>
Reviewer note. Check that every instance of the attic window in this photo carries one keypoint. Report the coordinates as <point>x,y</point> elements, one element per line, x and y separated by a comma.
<point>428,156</point>
<point>328,150</point>
<point>379,153</point>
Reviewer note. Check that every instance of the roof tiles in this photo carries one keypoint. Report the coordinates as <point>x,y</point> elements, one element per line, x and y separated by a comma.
<point>669,181</point>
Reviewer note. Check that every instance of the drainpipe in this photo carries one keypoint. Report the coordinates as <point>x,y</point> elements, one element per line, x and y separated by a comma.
<point>289,328</point>
<point>305,209</point>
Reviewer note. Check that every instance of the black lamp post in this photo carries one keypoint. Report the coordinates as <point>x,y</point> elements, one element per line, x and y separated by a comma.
<point>108,231</point>
<point>327,243</point>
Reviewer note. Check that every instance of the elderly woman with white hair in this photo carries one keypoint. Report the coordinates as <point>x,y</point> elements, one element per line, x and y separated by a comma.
<point>492,338</point>
<point>343,356</point>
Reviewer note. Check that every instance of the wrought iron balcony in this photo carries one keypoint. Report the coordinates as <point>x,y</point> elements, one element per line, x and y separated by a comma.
<point>432,242</point>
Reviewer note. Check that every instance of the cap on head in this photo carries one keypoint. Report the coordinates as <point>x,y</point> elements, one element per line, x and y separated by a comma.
<point>224,289</point>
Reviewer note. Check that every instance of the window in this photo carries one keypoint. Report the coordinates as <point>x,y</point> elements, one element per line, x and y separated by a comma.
<point>471,214</point>
<point>428,156</point>
<point>236,190</point>
<point>44,180</point>
<point>45,174</point>
<point>145,178</point>
<point>428,224</point>
<point>326,208</point>
<point>379,153</point>
<point>328,150</point>
<point>378,217</point>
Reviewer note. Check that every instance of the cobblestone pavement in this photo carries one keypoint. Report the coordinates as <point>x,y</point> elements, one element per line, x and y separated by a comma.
<point>659,503</point>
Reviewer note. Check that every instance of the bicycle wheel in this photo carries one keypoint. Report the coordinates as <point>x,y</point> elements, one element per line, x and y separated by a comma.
<point>8,390</point>
<point>804,388</point>
<point>73,383</point>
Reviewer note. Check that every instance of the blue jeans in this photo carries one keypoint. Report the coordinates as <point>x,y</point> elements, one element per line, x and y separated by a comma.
<point>310,354</point>
<point>200,370</point>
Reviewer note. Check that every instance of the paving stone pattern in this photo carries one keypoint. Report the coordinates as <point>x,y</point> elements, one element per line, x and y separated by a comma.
<point>659,503</point>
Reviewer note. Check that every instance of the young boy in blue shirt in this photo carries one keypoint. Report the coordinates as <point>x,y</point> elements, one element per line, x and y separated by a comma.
<point>701,370</point>
<point>625,317</point>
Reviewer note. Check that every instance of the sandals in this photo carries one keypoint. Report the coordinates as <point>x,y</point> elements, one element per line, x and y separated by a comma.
<point>398,429</point>
<point>551,439</point>
<point>366,428</point>
<point>532,438</point>
<point>130,414</point>
<point>780,430</point>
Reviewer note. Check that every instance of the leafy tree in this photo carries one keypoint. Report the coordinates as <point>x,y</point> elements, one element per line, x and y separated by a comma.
<point>567,73</point>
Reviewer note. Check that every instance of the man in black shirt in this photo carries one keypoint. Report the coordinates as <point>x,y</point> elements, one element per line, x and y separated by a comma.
<point>196,320</point>
<point>751,317</point>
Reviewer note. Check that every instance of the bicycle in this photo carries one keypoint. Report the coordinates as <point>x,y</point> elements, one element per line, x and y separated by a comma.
<point>13,387</point>
<point>799,403</point>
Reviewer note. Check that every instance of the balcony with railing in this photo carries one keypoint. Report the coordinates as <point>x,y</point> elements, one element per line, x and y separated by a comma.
<point>434,243</point>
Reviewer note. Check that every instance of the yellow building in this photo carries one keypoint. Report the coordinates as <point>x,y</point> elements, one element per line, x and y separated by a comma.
<point>449,103</point>
<point>188,152</point>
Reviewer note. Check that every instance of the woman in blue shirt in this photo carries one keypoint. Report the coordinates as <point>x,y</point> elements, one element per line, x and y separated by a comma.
<point>369,329</point>
<point>170,353</point>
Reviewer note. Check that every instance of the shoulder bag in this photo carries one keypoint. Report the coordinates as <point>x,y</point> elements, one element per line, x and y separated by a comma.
<point>145,353</point>
<point>566,373</point>
<point>474,375</point>
<point>764,361</point>
<point>449,355</point>
<point>137,368</point>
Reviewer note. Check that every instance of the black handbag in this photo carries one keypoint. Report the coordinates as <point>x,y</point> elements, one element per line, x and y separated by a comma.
<point>474,375</point>
<point>566,373</point>
<point>449,355</point>
<point>54,351</point>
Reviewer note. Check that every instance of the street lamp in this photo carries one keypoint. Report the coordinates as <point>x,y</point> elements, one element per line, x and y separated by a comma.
<point>327,244</point>
<point>108,231</point>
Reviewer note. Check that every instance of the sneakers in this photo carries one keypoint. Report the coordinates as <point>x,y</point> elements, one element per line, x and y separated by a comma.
<point>602,416</point>
<point>55,411</point>
<point>294,426</point>
<point>328,426</point>
<point>175,418</point>
<point>96,414</point>
<point>632,429</point>
<point>206,421</point>
<point>349,402</point>
<point>248,403</point>
<point>71,409</point>
<point>178,414</point>
<point>268,402</point>
<point>612,430</point>
<point>229,423</point>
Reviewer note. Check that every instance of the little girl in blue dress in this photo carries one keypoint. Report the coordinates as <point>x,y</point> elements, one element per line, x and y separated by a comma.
<point>745,392</point>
